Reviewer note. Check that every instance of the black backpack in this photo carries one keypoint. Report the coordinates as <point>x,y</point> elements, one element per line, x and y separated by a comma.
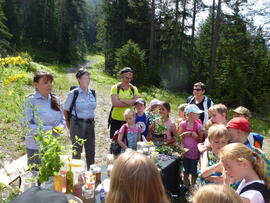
<point>260,188</point>
<point>118,90</point>
<point>115,148</point>
<point>75,96</point>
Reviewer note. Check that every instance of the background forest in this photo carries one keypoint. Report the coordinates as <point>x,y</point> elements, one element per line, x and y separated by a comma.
<point>164,41</point>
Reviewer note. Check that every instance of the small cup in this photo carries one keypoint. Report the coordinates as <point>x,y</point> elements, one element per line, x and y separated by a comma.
<point>109,169</point>
<point>97,172</point>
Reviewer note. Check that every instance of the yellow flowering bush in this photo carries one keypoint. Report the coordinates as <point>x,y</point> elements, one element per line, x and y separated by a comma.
<point>13,78</point>
<point>17,60</point>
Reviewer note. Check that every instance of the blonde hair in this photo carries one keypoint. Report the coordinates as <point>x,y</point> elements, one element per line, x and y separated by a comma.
<point>215,193</point>
<point>129,112</point>
<point>182,107</point>
<point>239,152</point>
<point>135,178</point>
<point>218,131</point>
<point>208,124</point>
<point>220,108</point>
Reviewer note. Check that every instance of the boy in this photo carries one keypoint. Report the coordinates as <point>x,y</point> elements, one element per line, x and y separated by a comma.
<point>141,118</point>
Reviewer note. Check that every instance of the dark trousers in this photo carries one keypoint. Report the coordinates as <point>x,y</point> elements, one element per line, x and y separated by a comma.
<point>83,130</point>
<point>115,125</point>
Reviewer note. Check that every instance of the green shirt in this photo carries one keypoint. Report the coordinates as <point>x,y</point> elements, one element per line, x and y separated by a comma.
<point>118,112</point>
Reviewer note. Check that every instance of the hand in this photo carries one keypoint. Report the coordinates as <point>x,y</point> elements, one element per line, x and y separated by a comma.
<point>227,180</point>
<point>194,134</point>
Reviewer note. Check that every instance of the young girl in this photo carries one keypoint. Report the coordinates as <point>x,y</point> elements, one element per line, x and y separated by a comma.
<point>129,133</point>
<point>191,132</point>
<point>164,112</point>
<point>241,163</point>
<point>181,113</point>
<point>215,193</point>
<point>211,168</point>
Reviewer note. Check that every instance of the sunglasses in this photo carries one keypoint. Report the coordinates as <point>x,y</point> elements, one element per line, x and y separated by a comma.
<point>197,89</point>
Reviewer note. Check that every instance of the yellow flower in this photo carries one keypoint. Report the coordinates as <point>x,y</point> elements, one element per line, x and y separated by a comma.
<point>10,92</point>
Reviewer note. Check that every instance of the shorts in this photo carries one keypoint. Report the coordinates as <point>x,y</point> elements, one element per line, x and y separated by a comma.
<point>190,166</point>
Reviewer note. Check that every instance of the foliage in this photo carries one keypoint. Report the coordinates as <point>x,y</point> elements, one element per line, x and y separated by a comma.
<point>9,191</point>
<point>130,55</point>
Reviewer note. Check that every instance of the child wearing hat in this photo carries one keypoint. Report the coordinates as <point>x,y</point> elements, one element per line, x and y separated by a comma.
<point>191,132</point>
<point>141,118</point>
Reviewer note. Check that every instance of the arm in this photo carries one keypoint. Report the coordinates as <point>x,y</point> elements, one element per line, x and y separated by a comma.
<point>117,102</point>
<point>66,115</point>
<point>207,171</point>
<point>130,102</point>
<point>120,138</point>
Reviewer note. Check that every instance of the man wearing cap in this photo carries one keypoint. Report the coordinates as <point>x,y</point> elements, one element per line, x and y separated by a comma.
<point>202,101</point>
<point>255,139</point>
<point>123,96</point>
<point>141,117</point>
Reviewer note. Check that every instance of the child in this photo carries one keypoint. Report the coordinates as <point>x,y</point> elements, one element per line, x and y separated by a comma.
<point>218,114</point>
<point>129,133</point>
<point>215,194</point>
<point>210,166</point>
<point>241,163</point>
<point>141,118</point>
<point>206,144</point>
<point>191,132</point>
<point>153,110</point>
<point>181,113</point>
<point>164,112</point>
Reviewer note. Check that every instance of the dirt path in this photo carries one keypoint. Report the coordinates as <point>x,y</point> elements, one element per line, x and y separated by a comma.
<point>102,140</point>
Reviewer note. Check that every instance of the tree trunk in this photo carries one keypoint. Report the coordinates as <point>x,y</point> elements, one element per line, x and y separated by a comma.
<point>214,46</point>
<point>152,24</point>
<point>182,30</point>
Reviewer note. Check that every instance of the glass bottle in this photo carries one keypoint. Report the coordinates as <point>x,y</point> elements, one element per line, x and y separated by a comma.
<point>69,178</point>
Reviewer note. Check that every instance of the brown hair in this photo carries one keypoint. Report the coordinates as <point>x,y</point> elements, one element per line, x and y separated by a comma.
<point>48,76</point>
<point>240,152</point>
<point>166,105</point>
<point>218,131</point>
<point>220,108</point>
<point>199,84</point>
<point>81,72</point>
<point>130,178</point>
<point>215,193</point>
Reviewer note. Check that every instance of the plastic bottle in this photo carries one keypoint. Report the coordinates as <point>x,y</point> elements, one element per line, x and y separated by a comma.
<point>102,193</point>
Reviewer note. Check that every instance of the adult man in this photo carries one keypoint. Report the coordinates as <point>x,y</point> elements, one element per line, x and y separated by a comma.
<point>202,101</point>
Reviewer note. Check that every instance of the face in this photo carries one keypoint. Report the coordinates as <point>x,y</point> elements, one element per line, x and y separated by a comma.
<point>240,115</point>
<point>155,108</point>
<point>234,135</point>
<point>84,80</point>
<point>218,118</point>
<point>217,144</point>
<point>234,169</point>
<point>130,119</point>
<point>126,77</point>
<point>181,114</point>
<point>193,116</point>
<point>163,112</point>
<point>139,107</point>
<point>44,86</point>
<point>198,91</point>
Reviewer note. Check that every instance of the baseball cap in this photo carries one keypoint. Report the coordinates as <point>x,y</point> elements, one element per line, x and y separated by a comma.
<point>140,101</point>
<point>243,111</point>
<point>155,102</point>
<point>126,70</point>
<point>192,108</point>
<point>239,123</point>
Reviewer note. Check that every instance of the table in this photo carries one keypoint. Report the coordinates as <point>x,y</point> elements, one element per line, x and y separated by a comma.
<point>170,173</point>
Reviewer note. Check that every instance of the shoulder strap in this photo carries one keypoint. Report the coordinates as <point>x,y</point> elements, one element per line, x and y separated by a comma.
<point>260,188</point>
<point>75,96</point>
<point>93,92</point>
<point>130,85</point>
<point>190,99</point>
<point>208,102</point>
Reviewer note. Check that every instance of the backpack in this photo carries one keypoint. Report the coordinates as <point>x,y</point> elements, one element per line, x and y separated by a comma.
<point>190,99</point>
<point>75,96</point>
<point>118,90</point>
<point>260,188</point>
<point>258,140</point>
<point>115,148</point>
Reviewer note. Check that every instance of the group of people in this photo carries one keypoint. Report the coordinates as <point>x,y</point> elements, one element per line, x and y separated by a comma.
<point>220,151</point>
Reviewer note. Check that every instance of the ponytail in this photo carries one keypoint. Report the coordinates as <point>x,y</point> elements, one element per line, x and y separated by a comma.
<point>54,104</point>
<point>259,166</point>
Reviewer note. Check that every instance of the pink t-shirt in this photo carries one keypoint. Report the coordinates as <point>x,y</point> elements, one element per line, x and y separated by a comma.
<point>131,135</point>
<point>168,124</point>
<point>189,141</point>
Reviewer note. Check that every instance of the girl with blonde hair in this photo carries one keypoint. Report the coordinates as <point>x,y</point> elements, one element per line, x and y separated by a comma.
<point>215,194</point>
<point>135,179</point>
<point>241,163</point>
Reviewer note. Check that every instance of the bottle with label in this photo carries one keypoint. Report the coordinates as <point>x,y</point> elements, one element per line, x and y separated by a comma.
<point>102,193</point>
<point>69,178</point>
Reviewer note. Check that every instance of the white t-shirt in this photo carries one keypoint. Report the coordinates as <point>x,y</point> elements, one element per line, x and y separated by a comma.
<point>253,195</point>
